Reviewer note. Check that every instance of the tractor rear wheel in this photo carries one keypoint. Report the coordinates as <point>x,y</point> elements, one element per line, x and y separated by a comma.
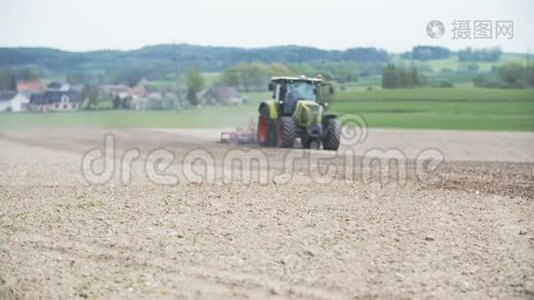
<point>266,128</point>
<point>332,132</point>
<point>286,132</point>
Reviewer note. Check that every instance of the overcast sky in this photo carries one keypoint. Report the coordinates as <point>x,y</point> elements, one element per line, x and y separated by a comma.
<point>332,24</point>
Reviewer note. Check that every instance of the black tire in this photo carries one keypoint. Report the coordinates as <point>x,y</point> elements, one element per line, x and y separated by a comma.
<point>270,135</point>
<point>332,132</point>
<point>307,142</point>
<point>286,132</point>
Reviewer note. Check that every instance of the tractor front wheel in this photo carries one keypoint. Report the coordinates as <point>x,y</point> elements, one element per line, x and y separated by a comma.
<point>332,132</point>
<point>309,143</point>
<point>286,132</point>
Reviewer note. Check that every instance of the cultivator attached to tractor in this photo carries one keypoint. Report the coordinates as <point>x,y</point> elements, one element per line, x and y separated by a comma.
<point>241,135</point>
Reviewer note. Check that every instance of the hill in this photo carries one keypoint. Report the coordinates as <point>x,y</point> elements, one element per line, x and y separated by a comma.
<point>161,59</point>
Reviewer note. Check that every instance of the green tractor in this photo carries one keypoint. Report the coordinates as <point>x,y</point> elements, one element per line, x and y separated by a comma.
<point>298,111</point>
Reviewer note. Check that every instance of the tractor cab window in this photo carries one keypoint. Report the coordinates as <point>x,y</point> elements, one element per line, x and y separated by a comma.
<point>291,92</point>
<point>300,90</point>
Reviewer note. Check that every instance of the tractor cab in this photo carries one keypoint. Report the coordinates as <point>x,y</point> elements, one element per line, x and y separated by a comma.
<point>289,90</point>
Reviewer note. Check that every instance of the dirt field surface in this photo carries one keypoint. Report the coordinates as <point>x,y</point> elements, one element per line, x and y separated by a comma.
<point>464,228</point>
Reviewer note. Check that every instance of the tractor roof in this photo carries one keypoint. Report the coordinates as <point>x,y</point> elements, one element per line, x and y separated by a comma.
<point>295,78</point>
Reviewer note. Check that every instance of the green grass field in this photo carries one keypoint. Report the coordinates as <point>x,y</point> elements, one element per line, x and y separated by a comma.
<point>454,64</point>
<point>207,117</point>
<point>432,108</point>
<point>442,108</point>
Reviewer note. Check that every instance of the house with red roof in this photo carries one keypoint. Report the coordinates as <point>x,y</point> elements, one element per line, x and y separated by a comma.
<point>30,86</point>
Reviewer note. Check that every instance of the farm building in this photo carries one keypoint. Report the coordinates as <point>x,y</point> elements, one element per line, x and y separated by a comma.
<point>53,100</point>
<point>119,91</point>
<point>222,95</point>
<point>156,101</point>
<point>30,86</point>
<point>13,101</point>
<point>58,86</point>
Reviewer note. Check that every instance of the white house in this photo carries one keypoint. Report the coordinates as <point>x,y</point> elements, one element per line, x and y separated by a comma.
<point>13,101</point>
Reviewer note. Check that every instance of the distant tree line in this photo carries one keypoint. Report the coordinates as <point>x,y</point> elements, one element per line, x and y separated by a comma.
<point>489,55</point>
<point>432,52</point>
<point>10,75</point>
<point>427,53</point>
<point>251,76</point>
<point>345,71</point>
<point>7,80</point>
<point>195,83</point>
<point>90,95</point>
<point>395,77</point>
<point>512,75</point>
<point>254,76</point>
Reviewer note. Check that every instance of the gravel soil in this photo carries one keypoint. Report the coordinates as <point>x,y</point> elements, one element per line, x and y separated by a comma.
<point>464,231</point>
